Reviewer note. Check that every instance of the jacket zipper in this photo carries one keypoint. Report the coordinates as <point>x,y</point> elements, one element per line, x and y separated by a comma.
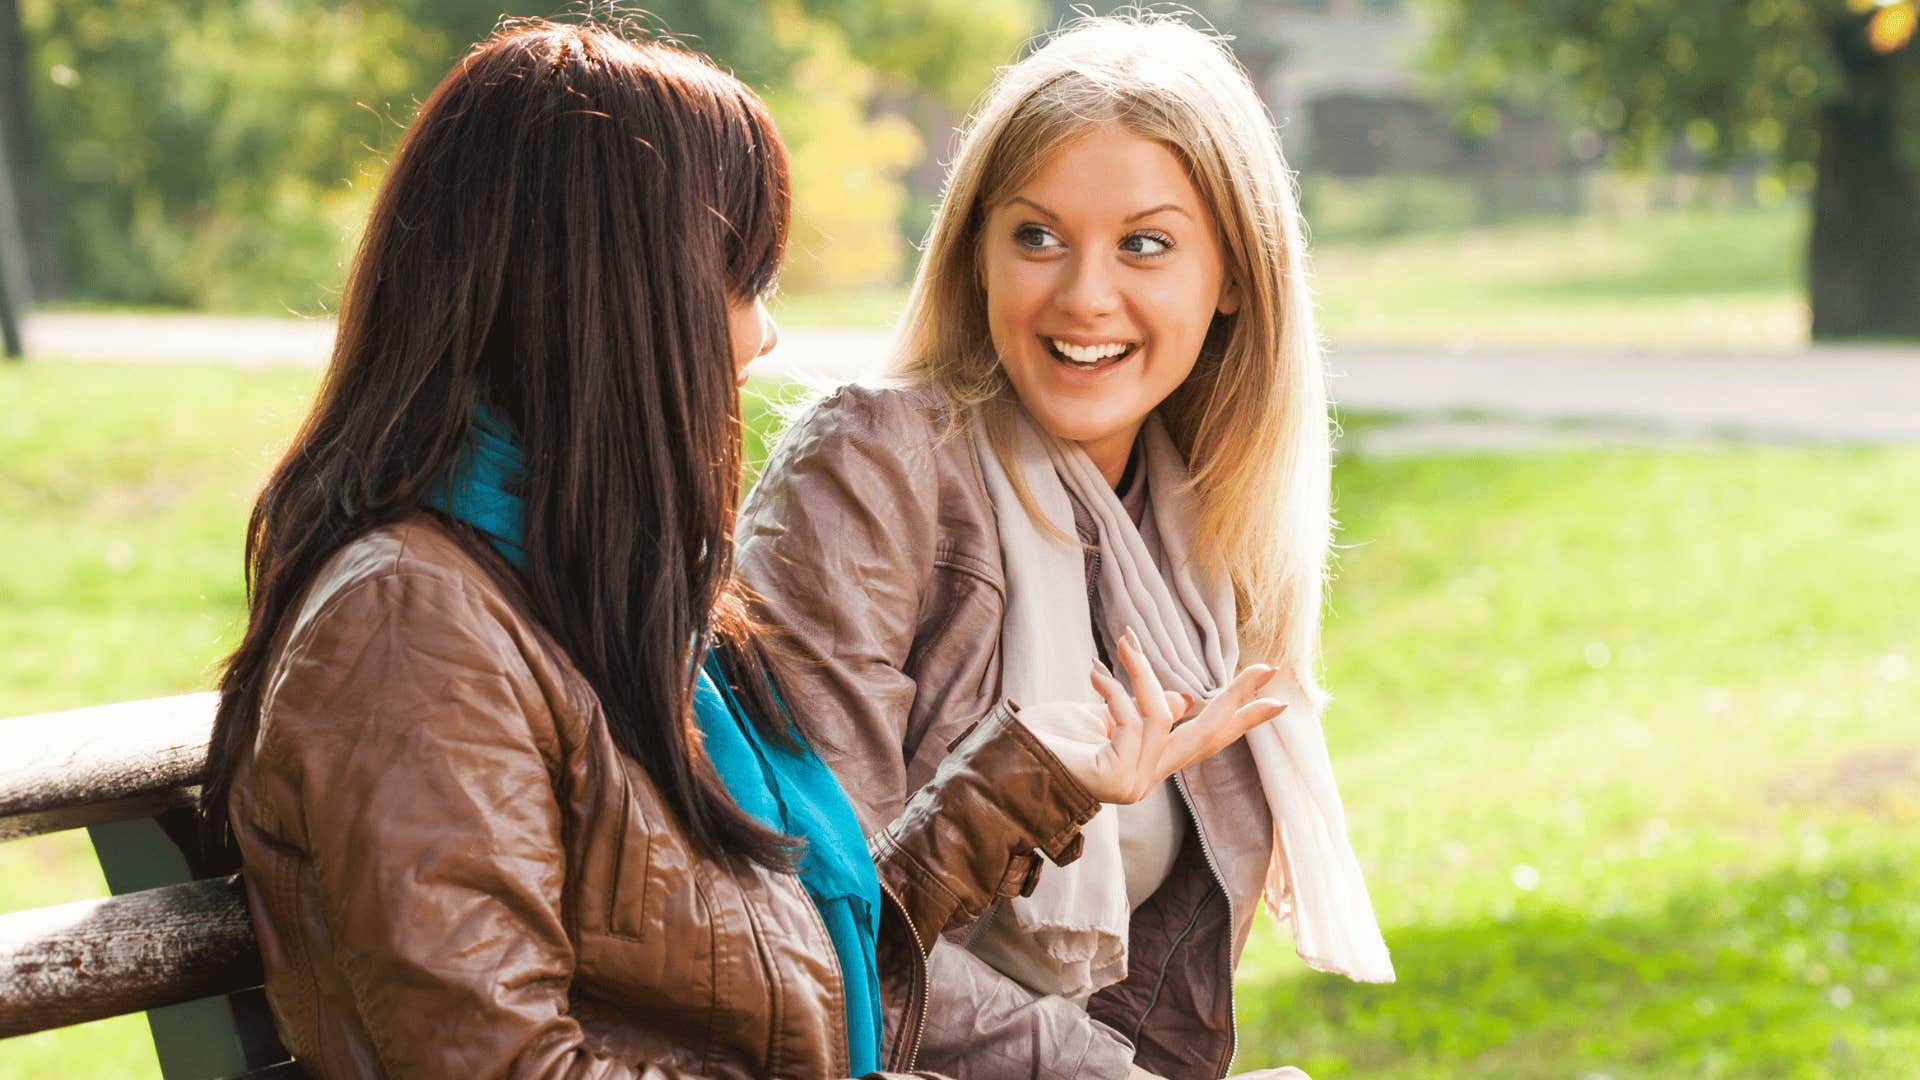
<point>1206,849</point>
<point>926,976</point>
<point>1160,982</point>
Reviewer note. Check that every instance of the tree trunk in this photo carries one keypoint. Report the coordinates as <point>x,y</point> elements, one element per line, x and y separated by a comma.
<point>26,257</point>
<point>1863,264</point>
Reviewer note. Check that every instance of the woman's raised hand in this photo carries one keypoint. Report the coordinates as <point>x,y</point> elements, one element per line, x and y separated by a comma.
<point>1122,752</point>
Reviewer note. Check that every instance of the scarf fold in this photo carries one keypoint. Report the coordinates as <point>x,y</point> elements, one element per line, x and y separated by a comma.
<point>791,791</point>
<point>1070,936</point>
<point>483,488</point>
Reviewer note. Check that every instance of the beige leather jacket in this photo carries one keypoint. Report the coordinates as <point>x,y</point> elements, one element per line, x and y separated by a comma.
<point>871,541</point>
<point>453,872</point>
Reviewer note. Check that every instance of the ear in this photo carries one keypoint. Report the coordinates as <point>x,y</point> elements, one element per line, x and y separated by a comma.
<point>1229,297</point>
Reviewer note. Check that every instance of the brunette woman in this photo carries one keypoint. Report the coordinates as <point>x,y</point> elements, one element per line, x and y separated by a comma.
<point>513,791</point>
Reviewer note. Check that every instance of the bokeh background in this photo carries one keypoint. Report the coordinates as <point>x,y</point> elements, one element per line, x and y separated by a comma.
<point>1621,298</point>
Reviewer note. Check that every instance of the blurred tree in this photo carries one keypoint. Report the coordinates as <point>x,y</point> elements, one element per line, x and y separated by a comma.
<point>32,260</point>
<point>738,32</point>
<point>213,154</point>
<point>1830,89</point>
<point>846,165</point>
<point>210,160</point>
<point>931,60</point>
<point>13,108</point>
<point>945,48</point>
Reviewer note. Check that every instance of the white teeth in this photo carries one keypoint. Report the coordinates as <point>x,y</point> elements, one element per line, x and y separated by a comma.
<point>1089,354</point>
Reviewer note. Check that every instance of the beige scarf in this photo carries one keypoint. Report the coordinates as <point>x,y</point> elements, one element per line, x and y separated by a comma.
<point>1070,936</point>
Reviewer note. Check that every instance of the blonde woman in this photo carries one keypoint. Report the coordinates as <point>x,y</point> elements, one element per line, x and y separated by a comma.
<point>1106,431</point>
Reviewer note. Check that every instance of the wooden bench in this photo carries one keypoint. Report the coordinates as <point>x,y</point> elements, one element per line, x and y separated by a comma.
<point>171,940</point>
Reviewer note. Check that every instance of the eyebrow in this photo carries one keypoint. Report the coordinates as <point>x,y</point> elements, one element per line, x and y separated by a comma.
<point>1038,209</point>
<point>1162,208</point>
<point>1149,212</point>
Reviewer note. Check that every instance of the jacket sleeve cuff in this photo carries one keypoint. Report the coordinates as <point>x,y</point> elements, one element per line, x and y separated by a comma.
<point>968,837</point>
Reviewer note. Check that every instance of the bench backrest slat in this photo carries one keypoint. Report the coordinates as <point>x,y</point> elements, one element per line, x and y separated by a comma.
<point>98,958</point>
<point>181,948</point>
<point>88,766</point>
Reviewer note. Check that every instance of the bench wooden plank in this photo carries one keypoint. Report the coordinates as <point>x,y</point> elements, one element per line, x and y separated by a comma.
<point>93,959</point>
<point>133,808</point>
<point>108,763</point>
<point>194,1040</point>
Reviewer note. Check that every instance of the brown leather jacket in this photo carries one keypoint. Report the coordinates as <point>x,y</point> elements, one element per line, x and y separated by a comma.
<point>870,539</point>
<point>454,873</point>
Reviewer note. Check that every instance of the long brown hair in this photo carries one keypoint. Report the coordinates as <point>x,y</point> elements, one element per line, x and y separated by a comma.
<point>557,240</point>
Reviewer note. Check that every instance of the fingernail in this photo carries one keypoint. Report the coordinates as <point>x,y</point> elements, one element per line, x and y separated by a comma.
<point>1134,639</point>
<point>1101,667</point>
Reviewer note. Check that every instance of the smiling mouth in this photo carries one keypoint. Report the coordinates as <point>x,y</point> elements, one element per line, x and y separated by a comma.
<point>1089,357</point>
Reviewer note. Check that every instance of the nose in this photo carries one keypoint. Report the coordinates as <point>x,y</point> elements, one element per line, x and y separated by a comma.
<point>769,332</point>
<point>1087,288</point>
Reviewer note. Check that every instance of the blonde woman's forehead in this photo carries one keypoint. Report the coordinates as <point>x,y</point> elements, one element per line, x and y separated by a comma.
<point>1110,174</point>
<point>1213,121</point>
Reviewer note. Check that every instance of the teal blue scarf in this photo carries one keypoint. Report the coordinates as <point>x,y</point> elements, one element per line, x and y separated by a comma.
<point>484,488</point>
<point>791,791</point>
<point>794,792</point>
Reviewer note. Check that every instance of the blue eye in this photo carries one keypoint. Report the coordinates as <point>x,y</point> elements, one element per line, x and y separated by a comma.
<point>1035,238</point>
<point>1147,244</point>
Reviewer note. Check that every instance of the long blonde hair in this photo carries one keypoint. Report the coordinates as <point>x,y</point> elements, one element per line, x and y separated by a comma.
<point>1252,417</point>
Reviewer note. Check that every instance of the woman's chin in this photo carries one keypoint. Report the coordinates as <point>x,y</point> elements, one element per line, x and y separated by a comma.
<point>1064,421</point>
<point>1081,417</point>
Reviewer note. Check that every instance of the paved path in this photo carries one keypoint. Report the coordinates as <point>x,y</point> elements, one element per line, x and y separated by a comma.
<point>1495,398</point>
<point>1830,393</point>
<point>244,340</point>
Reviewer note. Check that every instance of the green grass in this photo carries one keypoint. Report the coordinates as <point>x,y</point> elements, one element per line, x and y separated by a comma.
<point>1676,279</point>
<point>1674,693</point>
<point>1628,747</point>
<point>875,307</point>
<point>1707,279</point>
<point>124,492</point>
